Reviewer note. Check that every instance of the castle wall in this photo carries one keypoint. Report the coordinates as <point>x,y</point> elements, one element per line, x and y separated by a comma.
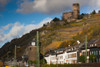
<point>67,15</point>
<point>76,10</point>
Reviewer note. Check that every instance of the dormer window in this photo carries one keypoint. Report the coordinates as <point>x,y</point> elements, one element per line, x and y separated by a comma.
<point>92,45</point>
<point>95,44</point>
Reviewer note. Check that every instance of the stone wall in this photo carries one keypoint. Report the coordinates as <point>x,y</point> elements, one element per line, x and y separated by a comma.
<point>31,52</point>
<point>72,16</point>
<point>67,15</point>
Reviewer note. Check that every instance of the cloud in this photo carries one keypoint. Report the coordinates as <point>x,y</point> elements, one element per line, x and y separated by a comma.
<point>52,6</point>
<point>3,3</point>
<point>6,27</point>
<point>17,30</point>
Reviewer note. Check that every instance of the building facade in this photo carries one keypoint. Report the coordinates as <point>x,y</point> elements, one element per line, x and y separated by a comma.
<point>71,54</point>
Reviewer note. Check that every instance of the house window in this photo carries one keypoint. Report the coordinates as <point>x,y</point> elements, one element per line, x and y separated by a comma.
<point>96,52</point>
<point>66,57</point>
<point>99,52</point>
<point>72,55</point>
<point>69,56</point>
<point>99,59</point>
<point>90,53</point>
<point>61,57</point>
<point>83,53</point>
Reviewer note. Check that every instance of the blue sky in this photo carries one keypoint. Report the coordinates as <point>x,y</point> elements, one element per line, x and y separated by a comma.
<point>25,15</point>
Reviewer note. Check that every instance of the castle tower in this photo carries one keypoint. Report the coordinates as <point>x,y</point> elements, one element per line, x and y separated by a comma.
<point>76,10</point>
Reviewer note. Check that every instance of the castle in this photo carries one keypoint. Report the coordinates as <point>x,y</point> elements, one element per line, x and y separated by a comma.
<point>72,16</point>
<point>67,16</point>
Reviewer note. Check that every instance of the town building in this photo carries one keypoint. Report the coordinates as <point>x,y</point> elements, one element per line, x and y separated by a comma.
<point>93,47</point>
<point>71,54</point>
<point>63,55</point>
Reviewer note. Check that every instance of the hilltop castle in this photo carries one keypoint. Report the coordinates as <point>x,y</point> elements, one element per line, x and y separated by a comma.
<point>67,16</point>
<point>72,16</point>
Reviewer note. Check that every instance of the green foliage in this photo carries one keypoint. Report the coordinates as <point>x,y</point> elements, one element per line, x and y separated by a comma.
<point>82,59</point>
<point>94,12</point>
<point>92,58</point>
<point>81,16</point>
<point>43,61</point>
<point>61,65</point>
<point>56,19</point>
<point>66,44</point>
<point>30,62</point>
<point>63,45</point>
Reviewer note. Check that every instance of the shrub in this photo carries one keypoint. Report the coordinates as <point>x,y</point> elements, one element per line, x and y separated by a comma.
<point>1,64</point>
<point>82,59</point>
<point>81,16</point>
<point>92,58</point>
<point>30,62</point>
<point>94,12</point>
<point>63,44</point>
<point>43,61</point>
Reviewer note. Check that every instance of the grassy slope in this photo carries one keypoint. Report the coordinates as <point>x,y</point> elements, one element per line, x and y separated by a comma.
<point>53,37</point>
<point>73,32</point>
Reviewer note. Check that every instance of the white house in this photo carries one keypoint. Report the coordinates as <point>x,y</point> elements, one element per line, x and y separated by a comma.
<point>71,57</point>
<point>62,56</point>
<point>71,54</point>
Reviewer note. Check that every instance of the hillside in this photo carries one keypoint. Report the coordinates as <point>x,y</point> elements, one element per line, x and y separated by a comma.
<point>56,36</point>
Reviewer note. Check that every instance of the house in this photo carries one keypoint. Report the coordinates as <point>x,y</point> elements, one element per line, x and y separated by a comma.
<point>51,57</point>
<point>63,55</point>
<point>93,47</point>
<point>71,54</point>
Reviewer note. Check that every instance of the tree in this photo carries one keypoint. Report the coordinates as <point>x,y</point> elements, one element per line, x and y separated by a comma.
<point>81,16</point>
<point>56,19</point>
<point>94,12</point>
<point>82,59</point>
<point>43,61</point>
<point>92,58</point>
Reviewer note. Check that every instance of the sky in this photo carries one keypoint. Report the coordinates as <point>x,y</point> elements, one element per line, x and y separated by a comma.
<point>18,17</point>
